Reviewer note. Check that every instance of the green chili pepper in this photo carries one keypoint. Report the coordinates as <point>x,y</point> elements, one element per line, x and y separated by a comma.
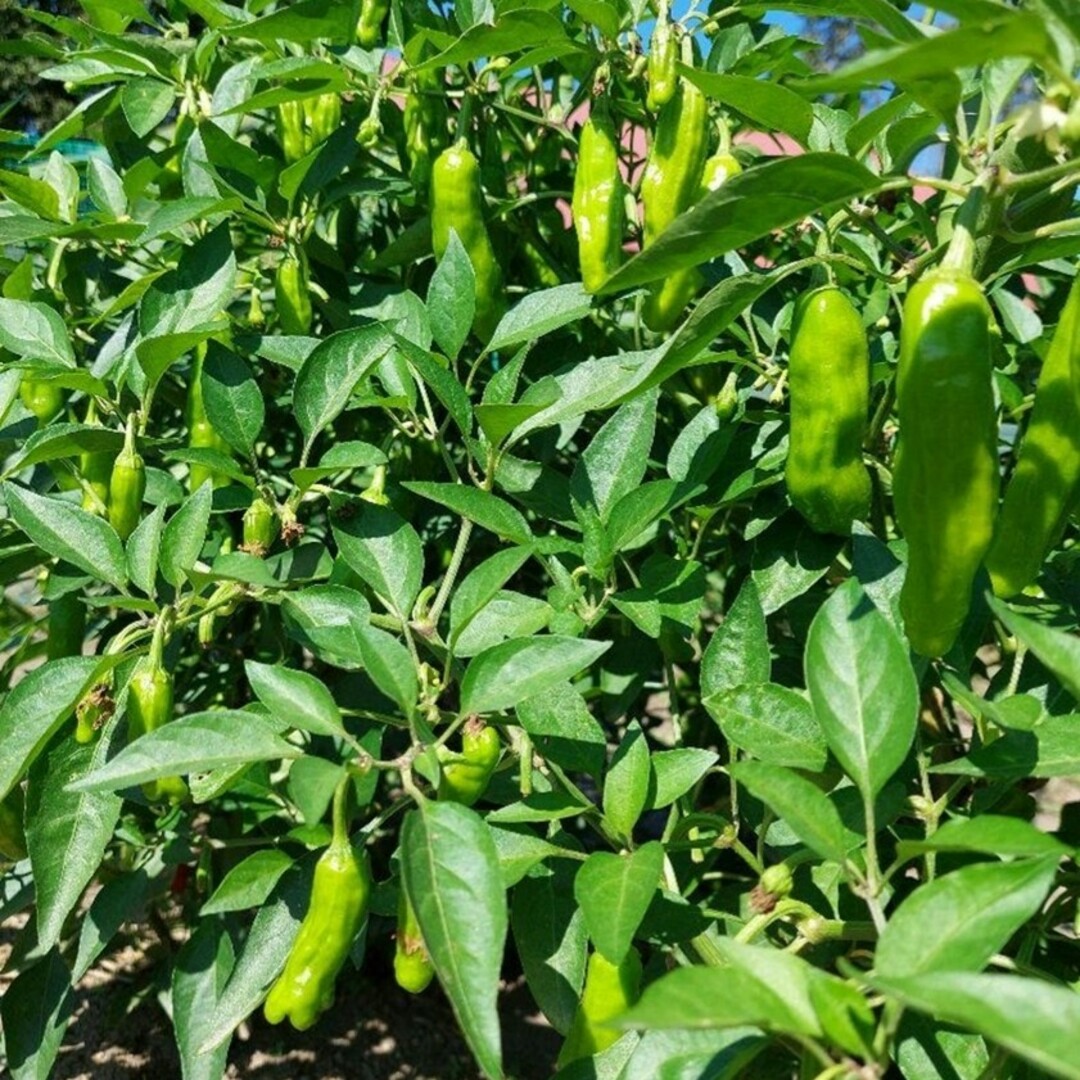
<point>201,432</point>
<point>67,626</point>
<point>150,706</point>
<point>127,485</point>
<point>290,130</point>
<point>1046,481</point>
<point>12,834</point>
<point>339,900</point>
<point>93,711</point>
<point>465,776</point>
<point>372,16</point>
<point>413,969</point>
<point>599,202</point>
<point>96,469</point>
<point>425,125</point>
<point>43,398</point>
<point>260,526</point>
<point>670,186</point>
<point>456,204</point>
<point>292,294</point>
<point>663,57</point>
<point>610,989</point>
<point>945,478</point>
<point>829,377</point>
<point>322,117</point>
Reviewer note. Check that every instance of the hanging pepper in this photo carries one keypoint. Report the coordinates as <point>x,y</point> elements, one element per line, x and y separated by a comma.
<point>12,834</point>
<point>456,204</point>
<point>322,117</point>
<point>339,900</point>
<point>67,626</point>
<point>945,478</point>
<point>202,435</point>
<point>290,130</point>
<point>413,969</point>
<point>829,377</point>
<point>465,776</point>
<point>425,125</point>
<point>599,202</point>
<point>662,71</point>
<point>150,706</point>
<point>375,492</point>
<point>292,293</point>
<point>127,485</point>
<point>260,526</point>
<point>96,469</point>
<point>93,711</point>
<point>610,989</point>
<point>670,186</point>
<point>372,16</point>
<point>41,397</point>
<point>1046,481</point>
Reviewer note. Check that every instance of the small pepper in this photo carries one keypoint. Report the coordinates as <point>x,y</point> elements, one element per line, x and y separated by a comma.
<point>96,469</point>
<point>127,485</point>
<point>43,398</point>
<point>413,969</point>
<point>292,294</point>
<point>260,526</point>
<point>465,776</point>
<point>610,989</point>
<point>372,16</point>
<point>662,72</point>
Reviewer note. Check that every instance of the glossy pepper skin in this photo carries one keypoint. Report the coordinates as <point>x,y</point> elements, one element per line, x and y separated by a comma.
<point>425,125</point>
<point>1046,481</point>
<point>598,203</point>
<point>663,56</point>
<point>609,990</point>
<point>670,186</point>
<point>127,485</point>
<point>413,969</point>
<point>339,900</point>
<point>96,469</point>
<point>201,433</point>
<point>465,776</point>
<point>260,526</point>
<point>290,130</point>
<point>292,294</point>
<point>149,707</point>
<point>44,399</point>
<point>372,16</point>
<point>322,117</point>
<point>67,626</point>
<point>12,834</point>
<point>945,477</point>
<point>829,378</point>
<point>456,203</point>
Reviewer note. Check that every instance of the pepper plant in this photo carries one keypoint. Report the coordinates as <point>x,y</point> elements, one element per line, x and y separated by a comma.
<point>416,563</point>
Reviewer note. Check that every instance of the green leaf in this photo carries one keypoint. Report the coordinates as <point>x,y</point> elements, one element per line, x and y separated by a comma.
<point>771,723</point>
<point>295,697</point>
<point>248,883</point>
<point>769,104</point>
<point>34,332</point>
<point>234,402</point>
<point>450,868</point>
<point>390,666</point>
<point>1059,651</point>
<point>862,687</point>
<point>675,772</point>
<point>451,297</point>
<point>479,506</point>
<point>958,921</point>
<point>626,785</point>
<point>481,585</point>
<point>200,971</point>
<point>738,651</point>
<point>146,102</point>
<point>540,313</point>
<point>68,532</point>
<point>614,892</point>
<point>35,1010</point>
<point>1032,1019</point>
<point>183,537</point>
<point>302,22</point>
<point>195,743</point>
<point>385,551</point>
<point>506,674</point>
<point>987,834</point>
<point>329,620</point>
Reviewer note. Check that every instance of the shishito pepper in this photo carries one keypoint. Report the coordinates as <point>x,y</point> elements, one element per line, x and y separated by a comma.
<point>610,989</point>
<point>829,378</point>
<point>1045,484</point>
<point>43,398</point>
<point>339,898</point>
<point>96,469</point>
<point>127,485</point>
<point>201,433</point>
<point>413,969</point>
<point>599,202</point>
<point>456,204</point>
<point>945,478</point>
<point>425,125</point>
<point>465,776</point>
<point>663,57</point>
<point>292,293</point>
<point>260,526</point>
<point>372,16</point>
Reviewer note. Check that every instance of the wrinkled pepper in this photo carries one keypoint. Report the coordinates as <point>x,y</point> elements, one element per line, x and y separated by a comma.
<point>339,899</point>
<point>127,485</point>
<point>292,294</point>
<point>260,526</point>
<point>1045,484</point>
<point>372,16</point>
<point>290,130</point>
<point>322,117</point>
<point>829,379</point>
<point>456,203</point>
<point>610,989</point>
<point>465,776</point>
<point>945,478</point>
<point>413,969</point>
<point>662,72</point>
<point>41,397</point>
<point>201,433</point>
<point>599,202</point>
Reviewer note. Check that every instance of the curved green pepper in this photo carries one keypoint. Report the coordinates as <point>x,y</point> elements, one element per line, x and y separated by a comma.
<point>456,204</point>
<point>96,469</point>
<point>829,377</point>
<point>127,486</point>
<point>372,16</point>
<point>292,294</point>
<point>12,834</point>
<point>465,776</point>
<point>1046,481</point>
<point>43,398</point>
<point>413,969</point>
<point>260,527</point>
<point>339,900</point>
<point>149,707</point>
<point>670,186</point>
<point>945,478</point>
<point>662,72</point>
<point>610,989</point>
<point>599,202</point>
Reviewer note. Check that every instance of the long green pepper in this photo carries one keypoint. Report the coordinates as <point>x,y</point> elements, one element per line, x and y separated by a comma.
<point>127,485</point>
<point>599,202</point>
<point>292,294</point>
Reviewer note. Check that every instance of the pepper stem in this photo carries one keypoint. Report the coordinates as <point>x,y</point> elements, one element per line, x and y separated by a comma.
<point>162,630</point>
<point>341,817</point>
<point>129,436</point>
<point>961,251</point>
